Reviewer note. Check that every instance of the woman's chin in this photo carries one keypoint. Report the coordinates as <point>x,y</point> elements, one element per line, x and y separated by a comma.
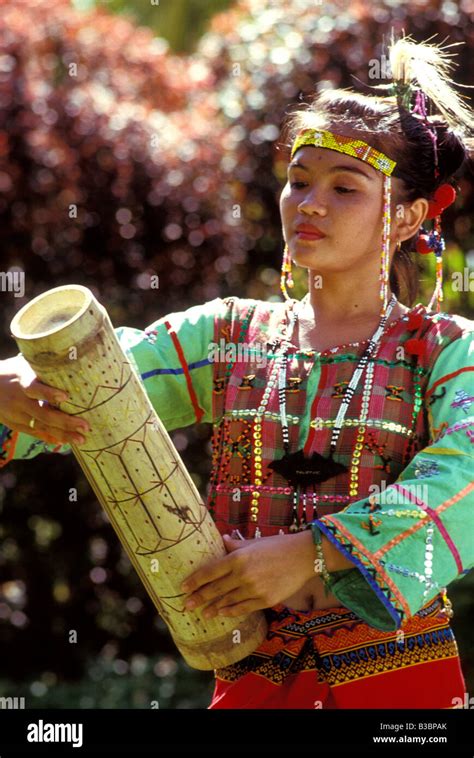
<point>308,258</point>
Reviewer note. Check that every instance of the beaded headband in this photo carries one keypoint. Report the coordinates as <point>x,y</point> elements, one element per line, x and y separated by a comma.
<point>356,148</point>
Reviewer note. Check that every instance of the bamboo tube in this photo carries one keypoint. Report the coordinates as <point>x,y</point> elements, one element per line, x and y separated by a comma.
<point>67,337</point>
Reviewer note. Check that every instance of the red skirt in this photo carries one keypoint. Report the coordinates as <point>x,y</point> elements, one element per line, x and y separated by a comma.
<point>332,659</point>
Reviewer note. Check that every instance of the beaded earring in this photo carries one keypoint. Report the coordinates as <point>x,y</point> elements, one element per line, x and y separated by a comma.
<point>286,277</point>
<point>433,242</point>
<point>445,194</point>
<point>385,252</point>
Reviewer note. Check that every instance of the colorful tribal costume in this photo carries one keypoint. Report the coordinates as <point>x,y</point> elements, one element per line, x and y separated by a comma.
<point>391,644</point>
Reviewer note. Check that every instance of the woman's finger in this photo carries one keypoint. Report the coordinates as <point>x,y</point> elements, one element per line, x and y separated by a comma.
<point>208,573</point>
<point>243,608</point>
<point>41,435</point>
<point>37,390</point>
<point>238,595</point>
<point>212,590</point>
<point>39,429</point>
<point>51,417</point>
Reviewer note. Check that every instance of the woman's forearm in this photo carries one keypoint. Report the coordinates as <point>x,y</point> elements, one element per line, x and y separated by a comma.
<point>334,559</point>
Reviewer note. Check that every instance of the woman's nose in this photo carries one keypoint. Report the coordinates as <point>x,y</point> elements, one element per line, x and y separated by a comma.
<point>313,203</point>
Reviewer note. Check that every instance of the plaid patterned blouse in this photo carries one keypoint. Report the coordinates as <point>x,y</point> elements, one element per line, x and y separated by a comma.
<point>403,512</point>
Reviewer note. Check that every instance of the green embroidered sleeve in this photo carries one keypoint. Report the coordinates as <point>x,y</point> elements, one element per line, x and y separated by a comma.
<point>423,538</point>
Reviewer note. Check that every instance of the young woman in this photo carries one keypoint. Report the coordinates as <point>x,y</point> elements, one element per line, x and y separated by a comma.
<point>357,425</point>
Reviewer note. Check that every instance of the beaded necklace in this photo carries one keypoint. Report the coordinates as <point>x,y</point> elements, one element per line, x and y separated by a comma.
<point>299,469</point>
<point>257,427</point>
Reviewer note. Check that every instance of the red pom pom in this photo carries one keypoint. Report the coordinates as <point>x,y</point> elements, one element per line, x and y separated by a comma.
<point>433,210</point>
<point>422,245</point>
<point>415,320</point>
<point>416,347</point>
<point>445,195</point>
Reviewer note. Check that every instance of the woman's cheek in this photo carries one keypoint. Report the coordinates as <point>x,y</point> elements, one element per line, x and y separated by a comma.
<point>283,202</point>
<point>288,208</point>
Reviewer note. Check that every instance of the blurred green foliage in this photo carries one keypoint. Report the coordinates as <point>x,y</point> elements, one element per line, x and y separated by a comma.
<point>142,682</point>
<point>180,22</point>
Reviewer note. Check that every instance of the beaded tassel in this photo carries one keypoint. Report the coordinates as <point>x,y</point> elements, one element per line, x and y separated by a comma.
<point>435,236</point>
<point>303,520</point>
<point>438,251</point>
<point>286,277</point>
<point>320,568</point>
<point>282,401</point>
<point>438,291</point>
<point>294,526</point>
<point>314,515</point>
<point>385,253</point>
<point>285,431</point>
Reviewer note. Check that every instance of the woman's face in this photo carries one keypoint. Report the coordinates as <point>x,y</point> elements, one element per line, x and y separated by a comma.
<point>341,196</point>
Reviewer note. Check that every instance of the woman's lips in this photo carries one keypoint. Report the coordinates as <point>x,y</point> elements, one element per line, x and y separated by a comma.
<point>309,236</point>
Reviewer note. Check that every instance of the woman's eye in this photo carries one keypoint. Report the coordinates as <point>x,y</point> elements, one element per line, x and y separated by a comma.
<point>339,190</point>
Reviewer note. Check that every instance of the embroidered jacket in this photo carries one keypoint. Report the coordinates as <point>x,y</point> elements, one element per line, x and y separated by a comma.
<point>402,513</point>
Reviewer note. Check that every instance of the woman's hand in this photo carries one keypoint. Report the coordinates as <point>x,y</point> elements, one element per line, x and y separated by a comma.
<point>255,574</point>
<point>23,397</point>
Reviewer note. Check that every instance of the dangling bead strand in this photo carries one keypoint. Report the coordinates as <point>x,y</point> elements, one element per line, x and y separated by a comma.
<point>351,388</point>
<point>286,277</point>
<point>385,255</point>
<point>282,380</point>
<point>257,430</point>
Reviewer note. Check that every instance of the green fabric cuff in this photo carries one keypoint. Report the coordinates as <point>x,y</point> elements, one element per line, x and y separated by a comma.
<point>355,593</point>
<point>353,590</point>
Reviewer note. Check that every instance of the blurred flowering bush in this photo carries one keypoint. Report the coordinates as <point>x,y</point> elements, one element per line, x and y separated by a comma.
<point>120,160</point>
<point>108,171</point>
